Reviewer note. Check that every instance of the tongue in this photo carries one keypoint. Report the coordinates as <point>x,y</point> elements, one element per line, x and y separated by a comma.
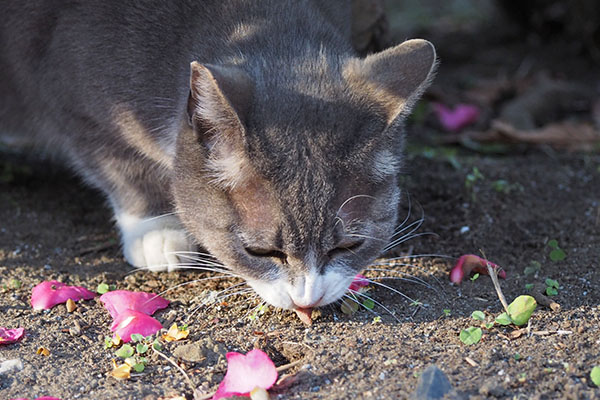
<point>305,315</point>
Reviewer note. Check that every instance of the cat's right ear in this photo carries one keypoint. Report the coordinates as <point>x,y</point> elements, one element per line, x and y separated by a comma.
<point>219,98</point>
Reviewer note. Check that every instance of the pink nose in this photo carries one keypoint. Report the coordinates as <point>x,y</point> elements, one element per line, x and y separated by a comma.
<point>301,304</point>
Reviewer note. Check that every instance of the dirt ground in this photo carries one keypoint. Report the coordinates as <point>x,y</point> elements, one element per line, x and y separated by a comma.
<point>53,227</point>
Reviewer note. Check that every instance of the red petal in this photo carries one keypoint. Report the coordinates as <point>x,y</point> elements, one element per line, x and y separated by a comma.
<point>50,293</point>
<point>358,282</point>
<point>119,300</point>
<point>457,118</point>
<point>246,372</point>
<point>8,336</point>
<point>471,263</point>
<point>129,322</point>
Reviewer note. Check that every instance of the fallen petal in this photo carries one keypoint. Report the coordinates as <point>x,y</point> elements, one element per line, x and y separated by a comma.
<point>50,293</point>
<point>8,336</point>
<point>129,322</point>
<point>471,263</point>
<point>358,282</point>
<point>455,119</point>
<point>121,372</point>
<point>119,300</point>
<point>245,373</point>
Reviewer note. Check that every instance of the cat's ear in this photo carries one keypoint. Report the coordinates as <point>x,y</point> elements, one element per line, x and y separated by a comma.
<point>394,78</point>
<point>219,98</point>
<point>218,104</point>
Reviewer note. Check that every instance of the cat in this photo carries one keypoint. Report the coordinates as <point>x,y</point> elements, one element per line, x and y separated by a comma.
<point>249,128</point>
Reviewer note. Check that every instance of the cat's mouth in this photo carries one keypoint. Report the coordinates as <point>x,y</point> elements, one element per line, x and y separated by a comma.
<point>305,315</point>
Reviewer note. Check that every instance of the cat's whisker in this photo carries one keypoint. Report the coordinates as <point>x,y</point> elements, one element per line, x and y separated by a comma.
<point>183,266</point>
<point>189,283</point>
<point>405,239</point>
<point>355,293</point>
<point>193,253</point>
<point>198,259</point>
<point>391,289</point>
<point>418,222</point>
<point>160,216</point>
<point>357,235</point>
<point>353,198</point>
<point>407,214</point>
<point>406,278</point>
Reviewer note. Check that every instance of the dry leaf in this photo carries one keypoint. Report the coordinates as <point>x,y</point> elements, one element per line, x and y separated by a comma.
<point>120,372</point>
<point>174,333</point>
<point>43,351</point>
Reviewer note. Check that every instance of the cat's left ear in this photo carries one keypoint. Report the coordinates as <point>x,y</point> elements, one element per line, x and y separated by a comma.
<point>394,78</point>
<point>219,97</point>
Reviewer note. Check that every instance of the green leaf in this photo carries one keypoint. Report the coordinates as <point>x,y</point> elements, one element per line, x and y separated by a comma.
<point>534,267</point>
<point>550,291</point>
<point>447,312</point>
<point>368,303</point>
<point>136,337</point>
<point>102,288</point>
<point>521,308</point>
<point>489,325</point>
<point>474,277</point>
<point>470,335</point>
<point>503,319</point>
<point>478,315</point>
<point>156,345</point>
<point>141,348</point>
<point>148,338</point>
<point>517,356</point>
<point>125,351</point>
<point>376,319</point>
<point>595,375</point>
<point>107,342</point>
<point>552,283</point>
<point>553,244</point>
<point>349,307</point>
<point>529,286</point>
<point>15,283</point>
<point>139,367</point>
<point>557,255</point>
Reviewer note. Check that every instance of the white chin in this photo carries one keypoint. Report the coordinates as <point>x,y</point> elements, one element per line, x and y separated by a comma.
<point>314,290</point>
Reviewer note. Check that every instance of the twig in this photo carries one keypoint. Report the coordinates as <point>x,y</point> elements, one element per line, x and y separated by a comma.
<point>494,275</point>
<point>187,378</point>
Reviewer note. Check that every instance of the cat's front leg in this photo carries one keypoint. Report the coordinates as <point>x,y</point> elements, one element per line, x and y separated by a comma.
<point>155,243</point>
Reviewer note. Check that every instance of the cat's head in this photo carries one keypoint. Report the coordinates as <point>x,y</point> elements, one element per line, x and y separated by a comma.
<point>290,178</point>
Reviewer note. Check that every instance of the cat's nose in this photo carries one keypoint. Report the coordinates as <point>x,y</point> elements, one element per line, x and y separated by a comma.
<point>307,291</point>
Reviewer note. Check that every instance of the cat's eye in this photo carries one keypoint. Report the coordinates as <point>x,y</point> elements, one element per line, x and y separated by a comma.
<point>344,248</point>
<point>266,253</point>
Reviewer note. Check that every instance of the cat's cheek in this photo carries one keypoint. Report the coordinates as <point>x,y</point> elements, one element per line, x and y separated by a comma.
<point>153,243</point>
<point>273,292</point>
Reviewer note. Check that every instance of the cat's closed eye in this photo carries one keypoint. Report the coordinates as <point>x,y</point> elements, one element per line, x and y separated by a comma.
<point>267,253</point>
<point>344,248</point>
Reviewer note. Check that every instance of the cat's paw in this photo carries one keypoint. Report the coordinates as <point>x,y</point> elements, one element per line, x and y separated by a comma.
<point>153,243</point>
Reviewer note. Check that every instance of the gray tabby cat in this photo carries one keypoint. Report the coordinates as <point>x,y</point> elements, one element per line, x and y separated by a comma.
<point>278,153</point>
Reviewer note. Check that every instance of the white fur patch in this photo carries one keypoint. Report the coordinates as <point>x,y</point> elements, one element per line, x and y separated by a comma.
<point>151,242</point>
<point>386,164</point>
<point>227,169</point>
<point>312,290</point>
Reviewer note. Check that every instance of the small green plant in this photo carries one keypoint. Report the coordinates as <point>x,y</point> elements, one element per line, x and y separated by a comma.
<point>529,286</point>
<point>471,335</point>
<point>416,303</point>
<point>478,315</point>
<point>556,254</point>
<point>595,375</point>
<point>533,268</point>
<point>260,310</point>
<point>474,277</point>
<point>134,355</point>
<point>104,288</point>
<point>517,356</point>
<point>551,287</point>
<point>446,312</point>
<point>376,319</point>
<point>473,177</point>
<point>519,311</point>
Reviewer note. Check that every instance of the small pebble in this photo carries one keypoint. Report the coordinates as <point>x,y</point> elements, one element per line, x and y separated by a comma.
<point>10,366</point>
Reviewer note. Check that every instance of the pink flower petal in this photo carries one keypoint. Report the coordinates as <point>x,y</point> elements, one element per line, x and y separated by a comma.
<point>471,263</point>
<point>129,322</point>
<point>246,372</point>
<point>8,336</point>
<point>455,119</point>
<point>358,282</point>
<point>119,300</point>
<point>50,293</point>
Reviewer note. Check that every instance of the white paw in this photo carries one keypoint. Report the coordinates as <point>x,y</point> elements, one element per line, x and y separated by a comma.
<point>152,243</point>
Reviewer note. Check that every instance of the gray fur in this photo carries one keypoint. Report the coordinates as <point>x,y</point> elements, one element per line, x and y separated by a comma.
<point>275,83</point>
